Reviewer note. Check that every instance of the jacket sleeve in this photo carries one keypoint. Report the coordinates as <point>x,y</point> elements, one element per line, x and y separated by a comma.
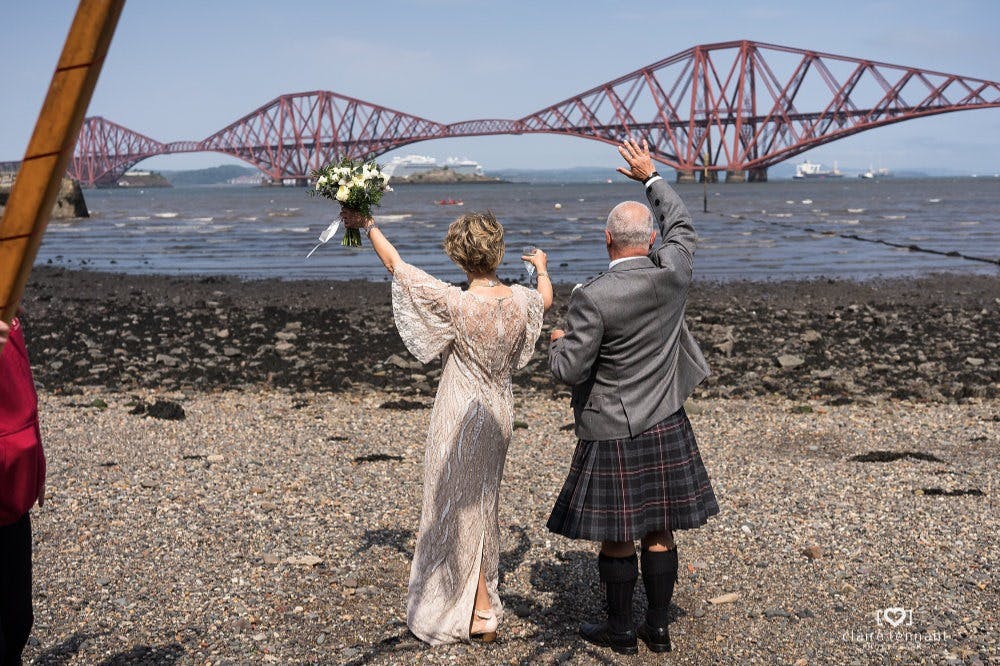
<point>572,356</point>
<point>675,250</point>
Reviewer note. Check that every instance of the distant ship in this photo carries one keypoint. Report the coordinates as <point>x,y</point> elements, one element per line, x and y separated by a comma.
<point>404,167</point>
<point>871,174</point>
<point>809,169</point>
<point>464,166</point>
<point>412,165</point>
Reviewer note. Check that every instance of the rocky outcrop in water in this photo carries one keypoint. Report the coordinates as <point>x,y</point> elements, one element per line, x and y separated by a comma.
<point>69,202</point>
<point>444,175</point>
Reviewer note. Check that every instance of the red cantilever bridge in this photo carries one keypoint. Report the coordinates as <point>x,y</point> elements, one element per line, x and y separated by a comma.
<point>735,106</point>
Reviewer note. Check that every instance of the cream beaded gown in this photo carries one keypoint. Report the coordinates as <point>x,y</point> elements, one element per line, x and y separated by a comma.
<point>483,340</point>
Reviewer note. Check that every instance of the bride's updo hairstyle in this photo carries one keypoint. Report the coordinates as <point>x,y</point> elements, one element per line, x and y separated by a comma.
<point>475,242</point>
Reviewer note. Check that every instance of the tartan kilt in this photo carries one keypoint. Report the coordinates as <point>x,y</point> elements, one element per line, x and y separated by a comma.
<point>623,489</point>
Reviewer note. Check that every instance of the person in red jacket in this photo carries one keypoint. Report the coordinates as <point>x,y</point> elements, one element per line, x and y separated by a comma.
<point>22,481</point>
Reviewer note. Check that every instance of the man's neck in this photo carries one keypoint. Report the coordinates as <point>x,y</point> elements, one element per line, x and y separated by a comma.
<point>631,253</point>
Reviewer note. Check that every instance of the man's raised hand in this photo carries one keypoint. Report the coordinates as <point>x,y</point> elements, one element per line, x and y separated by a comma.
<point>639,162</point>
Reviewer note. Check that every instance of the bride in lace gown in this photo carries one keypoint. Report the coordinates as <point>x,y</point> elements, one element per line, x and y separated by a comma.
<point>483,334</point>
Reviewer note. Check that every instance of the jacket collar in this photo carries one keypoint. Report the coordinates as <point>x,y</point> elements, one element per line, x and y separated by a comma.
<point>633,263</point>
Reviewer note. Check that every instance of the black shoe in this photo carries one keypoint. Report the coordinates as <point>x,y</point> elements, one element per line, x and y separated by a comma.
<point>601,634</point>
<point>657,639</point>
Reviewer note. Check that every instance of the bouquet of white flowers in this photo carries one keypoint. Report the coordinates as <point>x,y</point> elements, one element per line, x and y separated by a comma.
<point>357,185</point>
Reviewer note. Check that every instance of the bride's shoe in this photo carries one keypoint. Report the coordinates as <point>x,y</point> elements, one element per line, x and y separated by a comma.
<point>484,626</point>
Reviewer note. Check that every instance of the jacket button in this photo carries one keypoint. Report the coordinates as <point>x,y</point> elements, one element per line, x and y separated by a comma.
<point>649,189</point>
<point>663,217</point>
<point>656,203</point>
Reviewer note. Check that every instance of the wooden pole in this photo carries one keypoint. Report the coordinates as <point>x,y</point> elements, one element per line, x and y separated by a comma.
<point>51,145</point>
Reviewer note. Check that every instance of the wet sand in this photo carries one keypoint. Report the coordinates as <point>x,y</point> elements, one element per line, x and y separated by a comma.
<point>933,339</point>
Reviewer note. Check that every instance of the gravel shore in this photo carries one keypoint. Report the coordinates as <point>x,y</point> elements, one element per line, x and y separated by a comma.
<point>277,527</point>
<point>235,478</point>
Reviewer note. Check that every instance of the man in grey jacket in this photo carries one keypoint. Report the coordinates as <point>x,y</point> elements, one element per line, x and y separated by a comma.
<point>627,352</point>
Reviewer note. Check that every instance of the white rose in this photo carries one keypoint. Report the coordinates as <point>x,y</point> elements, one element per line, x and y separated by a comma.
<point>358,180</point>
<point>342,193</point>
<point>321,180</point>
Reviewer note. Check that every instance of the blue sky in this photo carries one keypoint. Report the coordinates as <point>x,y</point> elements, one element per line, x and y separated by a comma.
<point>183,69</point>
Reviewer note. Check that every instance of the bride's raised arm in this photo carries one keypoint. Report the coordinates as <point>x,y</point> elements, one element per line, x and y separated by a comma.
<point>383,248</point>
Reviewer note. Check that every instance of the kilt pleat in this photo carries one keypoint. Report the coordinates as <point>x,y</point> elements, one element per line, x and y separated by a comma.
<point>623,489</point>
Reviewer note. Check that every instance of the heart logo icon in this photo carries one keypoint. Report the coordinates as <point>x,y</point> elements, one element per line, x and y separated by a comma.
<point>894,616</point>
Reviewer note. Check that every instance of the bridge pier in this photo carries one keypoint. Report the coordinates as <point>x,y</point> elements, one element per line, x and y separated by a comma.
<point>685,176</point>
<point>757,175</point>
<point>708,176</point>
<point>737,176</point>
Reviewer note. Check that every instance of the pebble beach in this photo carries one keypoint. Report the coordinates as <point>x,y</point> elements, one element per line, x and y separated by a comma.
<point>236,468</point>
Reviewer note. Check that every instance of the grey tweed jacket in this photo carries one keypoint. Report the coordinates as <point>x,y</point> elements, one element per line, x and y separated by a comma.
<point>627,351</point>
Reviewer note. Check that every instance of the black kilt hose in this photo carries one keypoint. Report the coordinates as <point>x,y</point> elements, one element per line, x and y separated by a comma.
<point>623,489</point>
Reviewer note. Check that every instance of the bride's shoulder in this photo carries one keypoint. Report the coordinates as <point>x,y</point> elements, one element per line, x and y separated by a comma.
<point>528,294</point>
<point>408,273</point>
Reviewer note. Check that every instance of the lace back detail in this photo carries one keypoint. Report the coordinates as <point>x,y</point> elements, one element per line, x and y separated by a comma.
<point>490,336</point>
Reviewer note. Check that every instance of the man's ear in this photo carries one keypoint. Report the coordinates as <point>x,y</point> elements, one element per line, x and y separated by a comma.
<point>652,239</point>
<point>607,238</point>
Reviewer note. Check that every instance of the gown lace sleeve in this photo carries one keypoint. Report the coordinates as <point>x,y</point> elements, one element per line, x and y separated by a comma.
<point>535,311</point>
<point>421,306</point>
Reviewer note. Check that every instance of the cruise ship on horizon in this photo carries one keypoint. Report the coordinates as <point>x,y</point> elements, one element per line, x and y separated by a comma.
<point>411,165</point>
<point>464,166</point>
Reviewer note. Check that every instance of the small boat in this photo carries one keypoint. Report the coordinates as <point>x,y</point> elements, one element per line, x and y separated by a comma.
<point>873,173</point>
<point>450,202</point>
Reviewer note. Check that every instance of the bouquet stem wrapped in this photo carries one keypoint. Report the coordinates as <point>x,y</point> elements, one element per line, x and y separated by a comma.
<point>357,185</point>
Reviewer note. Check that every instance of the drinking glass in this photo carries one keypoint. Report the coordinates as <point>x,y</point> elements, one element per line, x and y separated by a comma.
<point>528,266</point>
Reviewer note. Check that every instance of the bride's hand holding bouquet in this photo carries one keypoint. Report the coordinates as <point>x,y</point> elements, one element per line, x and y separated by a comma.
<point>355,219</point>
<point>358,187</point>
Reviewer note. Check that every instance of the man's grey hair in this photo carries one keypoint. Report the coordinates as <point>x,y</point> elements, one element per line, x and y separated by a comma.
<point>630,224</point>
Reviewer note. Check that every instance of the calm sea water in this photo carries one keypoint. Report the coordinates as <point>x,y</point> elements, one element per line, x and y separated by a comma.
<point>754,231</point>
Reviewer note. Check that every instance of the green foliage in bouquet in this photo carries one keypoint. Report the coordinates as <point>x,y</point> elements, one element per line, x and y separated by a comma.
<point>357,185</point>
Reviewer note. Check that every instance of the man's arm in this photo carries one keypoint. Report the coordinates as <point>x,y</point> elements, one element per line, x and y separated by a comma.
<point>572,356</point>
<point>4,334</point>
<point>677,237</point>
